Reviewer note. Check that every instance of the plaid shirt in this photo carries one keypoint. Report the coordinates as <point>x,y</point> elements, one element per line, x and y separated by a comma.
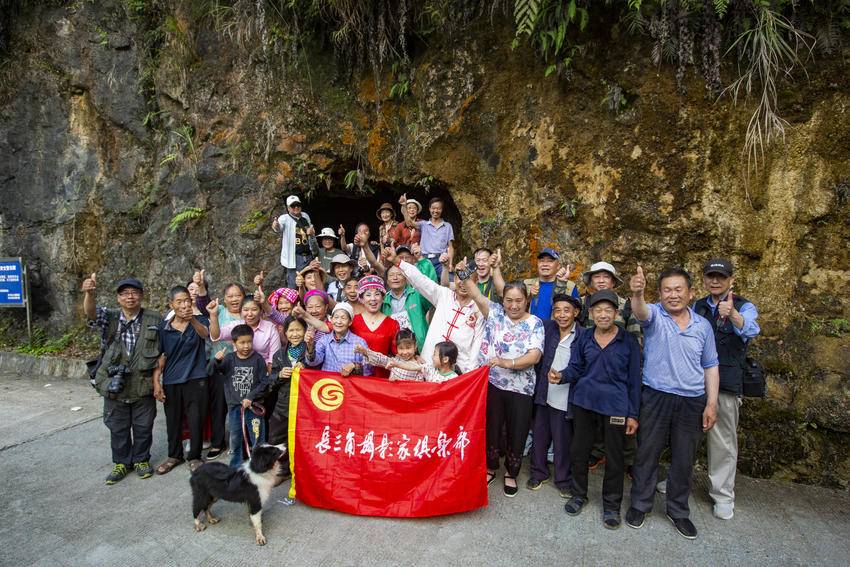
<point>127,332</point>
<point>396,373</point>
<point>333,354</point>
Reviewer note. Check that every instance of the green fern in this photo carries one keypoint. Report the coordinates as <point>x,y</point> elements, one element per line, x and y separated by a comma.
<point>184,216</point>
<point>720,6</point>
<point>525,15</point>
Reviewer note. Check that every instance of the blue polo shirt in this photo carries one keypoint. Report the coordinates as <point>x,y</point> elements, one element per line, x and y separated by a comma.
<point>674,360</point>
<point>185,353</point>
<point>607,380</point>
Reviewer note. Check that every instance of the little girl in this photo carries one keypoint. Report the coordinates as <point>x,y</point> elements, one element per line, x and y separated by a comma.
<point>405,342</point>
<point>443,365</point>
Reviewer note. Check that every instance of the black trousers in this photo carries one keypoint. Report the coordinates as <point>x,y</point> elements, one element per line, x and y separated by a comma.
<point>513,412</point>
<point>218,411</point>
<point>666,417</point>
<point>189,399</point>
<point>278,415</point>
<point>598,450</point>
<point>585,424</point>
<point>130,429</point>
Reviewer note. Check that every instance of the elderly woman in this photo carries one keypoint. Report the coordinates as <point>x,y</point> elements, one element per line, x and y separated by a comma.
<point>371,324</point>
<point>512,345</point>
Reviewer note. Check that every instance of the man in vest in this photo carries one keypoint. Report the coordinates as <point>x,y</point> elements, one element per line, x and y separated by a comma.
<point>129,352</point>
<point>735,325</point>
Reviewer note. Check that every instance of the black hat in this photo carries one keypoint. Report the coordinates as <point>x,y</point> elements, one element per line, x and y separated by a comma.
<point>605,295</point>
<point>403,248</point>
<point>129,282</point>
<point>575,302</point>
<point>718,266</point>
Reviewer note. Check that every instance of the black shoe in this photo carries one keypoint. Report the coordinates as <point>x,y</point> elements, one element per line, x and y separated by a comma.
<point>635,518</point>
<point>510,491</point>
<point>574,505</point>
<point>685,527</point>
<point>611,519</point>
<point>534,484</point>
<point>119,471</point>
<point>214,454</point>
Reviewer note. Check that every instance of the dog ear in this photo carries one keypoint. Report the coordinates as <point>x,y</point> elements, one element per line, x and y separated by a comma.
<point>263,458</point>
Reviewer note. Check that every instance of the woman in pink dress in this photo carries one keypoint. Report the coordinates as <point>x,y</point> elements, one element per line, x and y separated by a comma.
<point>377,329</point>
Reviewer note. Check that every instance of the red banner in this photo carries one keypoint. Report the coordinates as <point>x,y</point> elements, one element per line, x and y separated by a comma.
<point>372,447</point>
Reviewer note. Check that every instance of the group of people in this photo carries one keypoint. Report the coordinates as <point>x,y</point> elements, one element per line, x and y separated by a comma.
<point>594,378</point>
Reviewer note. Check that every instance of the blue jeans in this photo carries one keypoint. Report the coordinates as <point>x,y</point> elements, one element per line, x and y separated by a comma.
<point>438,267</point>
<point>290,273</point>
<point>255,427</point>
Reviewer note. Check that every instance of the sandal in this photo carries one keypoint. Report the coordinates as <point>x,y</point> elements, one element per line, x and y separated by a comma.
<point>490,477</point>
<point>169,464</point>
<point>194,464</point>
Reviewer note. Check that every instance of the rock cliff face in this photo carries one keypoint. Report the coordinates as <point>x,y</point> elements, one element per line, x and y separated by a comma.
<point>104,142</point>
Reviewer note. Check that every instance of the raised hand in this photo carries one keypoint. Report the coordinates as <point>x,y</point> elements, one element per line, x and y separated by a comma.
<point>341,230</point>
<point>212,307</point>
<point>638,281</point>
<point>445,258</point>
<point>310,337</point>
<point>90,283</point>
<point>275,225</point>
<point>360,349</point>
<point>389,255</point>
<point>563,274</point>
<point>416,250</point>
<point>298,311</point>
<point>315,264</point>
<point>403,199</point>
<point>259,278</point>
<point>259,295</point>
<point>220,354</point>
<point>726,307</point>
<point>311,230</point>
<point>534,288</point>
<point>299,280</point>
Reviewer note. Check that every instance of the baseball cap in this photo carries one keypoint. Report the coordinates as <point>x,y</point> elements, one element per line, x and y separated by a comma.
<point>549,252</point>
<point>292,199</point>
<point>601,267</point>
<point>129,282</point>
<point>403,248</point>
<point>718,266</point>
<point>605,295</point>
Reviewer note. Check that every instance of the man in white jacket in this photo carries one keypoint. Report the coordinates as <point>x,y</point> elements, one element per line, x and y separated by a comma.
<point>298,244</point>
<point>456,317</point>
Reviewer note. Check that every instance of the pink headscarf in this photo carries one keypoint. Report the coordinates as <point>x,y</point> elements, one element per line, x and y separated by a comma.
<point>318,292</point>
<point>289,294</point>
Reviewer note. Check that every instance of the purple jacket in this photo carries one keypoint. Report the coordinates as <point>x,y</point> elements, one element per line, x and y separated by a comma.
<point>550,346</point>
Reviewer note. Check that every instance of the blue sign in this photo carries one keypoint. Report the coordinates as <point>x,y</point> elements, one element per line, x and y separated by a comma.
<point>12,292</point>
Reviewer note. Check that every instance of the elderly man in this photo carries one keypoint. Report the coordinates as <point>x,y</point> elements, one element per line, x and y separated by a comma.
<point>679,397</point>
<point>456,317</point>
<point>735,326</point>
<point>297,239</point>
<point>406,305</point>
<point>130,348</point>
<point>551,279</point>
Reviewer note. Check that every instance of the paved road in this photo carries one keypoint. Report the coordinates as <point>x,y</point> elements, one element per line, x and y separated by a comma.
<point>59,512</point>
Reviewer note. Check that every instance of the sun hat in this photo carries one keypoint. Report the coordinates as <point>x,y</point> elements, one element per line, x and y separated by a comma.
<point>385,207</point>
<point>327,232</point>
<point>601,267</point>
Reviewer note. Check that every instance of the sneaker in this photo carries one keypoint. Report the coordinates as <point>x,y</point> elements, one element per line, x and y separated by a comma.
<point>595,462</point>
<point>685,527</point>
<point>724,511</point>
<point>574,506</point>
<point>510,491</point>
<point>119,471</point>
<point>534,484</point>
<point>143,469</point>
<point>661,487</point>
<point>565,493</point>
<point>635,518</point>
<point>611,519</point>
<point>213,454</point>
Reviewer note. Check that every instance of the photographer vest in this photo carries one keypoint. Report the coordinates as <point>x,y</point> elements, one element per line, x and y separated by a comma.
<point>731,349</point>
<point>141,362</point>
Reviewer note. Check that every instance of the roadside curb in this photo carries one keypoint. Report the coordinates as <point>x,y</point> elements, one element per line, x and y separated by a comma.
<point>53,366</point>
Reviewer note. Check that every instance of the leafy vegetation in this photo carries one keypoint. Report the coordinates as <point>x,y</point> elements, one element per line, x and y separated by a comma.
<point>184,216</point>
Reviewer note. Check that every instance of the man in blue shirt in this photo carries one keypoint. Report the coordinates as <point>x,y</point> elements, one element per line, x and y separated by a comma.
<point>735,324</point>
<point>679,398</point>
<point>180,379</point>
<point>605,368</point>
<point>551,279</point>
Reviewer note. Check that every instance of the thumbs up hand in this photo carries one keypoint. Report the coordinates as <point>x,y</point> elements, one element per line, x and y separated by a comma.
<point>638,281</point>
<point>726,307</point>
<point>90,283</point>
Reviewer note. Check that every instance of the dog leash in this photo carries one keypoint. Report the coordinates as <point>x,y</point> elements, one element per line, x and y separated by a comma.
<point>259,411</point>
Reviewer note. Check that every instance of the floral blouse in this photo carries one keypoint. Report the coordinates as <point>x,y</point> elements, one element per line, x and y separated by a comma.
<point>505,339</point>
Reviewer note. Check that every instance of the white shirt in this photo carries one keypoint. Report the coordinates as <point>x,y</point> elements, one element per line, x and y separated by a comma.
<point>559,394</point>
<point>287,238</point>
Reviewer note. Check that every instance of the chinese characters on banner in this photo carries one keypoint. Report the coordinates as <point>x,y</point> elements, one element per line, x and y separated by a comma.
<point>372,447</point>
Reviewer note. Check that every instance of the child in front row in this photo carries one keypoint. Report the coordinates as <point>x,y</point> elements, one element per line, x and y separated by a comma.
<point>245,374</point>
<point>405,342</point>
<point>443,365</point>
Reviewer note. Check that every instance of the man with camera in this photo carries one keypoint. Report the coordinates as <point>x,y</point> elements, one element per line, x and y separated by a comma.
<point>123,374</point>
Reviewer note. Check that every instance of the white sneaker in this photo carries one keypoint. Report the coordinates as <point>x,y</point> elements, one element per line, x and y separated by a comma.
<point>661,487</point>
<point>724,511</point>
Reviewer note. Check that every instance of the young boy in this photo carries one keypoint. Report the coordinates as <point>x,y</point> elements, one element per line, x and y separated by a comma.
<point>245,378</point>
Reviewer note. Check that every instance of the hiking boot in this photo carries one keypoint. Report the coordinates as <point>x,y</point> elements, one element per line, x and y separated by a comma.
<point>143,469</point>
<point>611,519</point>
<point>685,527</point>
<point>534,484</point>
<point>635,518</point>
<point>119,471</point>
<point>574,506</point>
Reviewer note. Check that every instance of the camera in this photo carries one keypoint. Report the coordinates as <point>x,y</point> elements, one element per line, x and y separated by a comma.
<point>117,379</point>
<point>463,274</point>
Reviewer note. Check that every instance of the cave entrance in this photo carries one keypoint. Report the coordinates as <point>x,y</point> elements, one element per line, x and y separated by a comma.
<point>349,207</point>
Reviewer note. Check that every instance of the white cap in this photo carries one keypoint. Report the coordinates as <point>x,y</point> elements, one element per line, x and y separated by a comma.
<point>327,232</point>
<point>601,267</point>
<point>292,199</point>
<point>343,306</point>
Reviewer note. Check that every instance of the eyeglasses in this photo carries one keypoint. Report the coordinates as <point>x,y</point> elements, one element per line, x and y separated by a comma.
<point>293,205</point>
<point>130,293</point>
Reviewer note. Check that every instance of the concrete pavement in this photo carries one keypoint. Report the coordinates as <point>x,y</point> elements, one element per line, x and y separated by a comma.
<point>58,512</point>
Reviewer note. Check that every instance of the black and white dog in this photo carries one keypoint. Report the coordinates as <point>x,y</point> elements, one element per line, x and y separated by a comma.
<point>251,483</point>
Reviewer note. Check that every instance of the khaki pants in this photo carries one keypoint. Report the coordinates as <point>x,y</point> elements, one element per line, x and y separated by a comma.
<point>723,449</point>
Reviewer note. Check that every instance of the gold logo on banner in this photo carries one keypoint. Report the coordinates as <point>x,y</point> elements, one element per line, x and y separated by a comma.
<point>327,394</point>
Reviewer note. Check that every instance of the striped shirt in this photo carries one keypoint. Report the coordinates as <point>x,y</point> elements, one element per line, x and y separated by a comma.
<point>396,373</point>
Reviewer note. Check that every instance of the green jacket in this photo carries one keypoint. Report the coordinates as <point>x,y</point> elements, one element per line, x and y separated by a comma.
<point>416,307</point>
<point>425,266</point>
<point>141,361</point>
